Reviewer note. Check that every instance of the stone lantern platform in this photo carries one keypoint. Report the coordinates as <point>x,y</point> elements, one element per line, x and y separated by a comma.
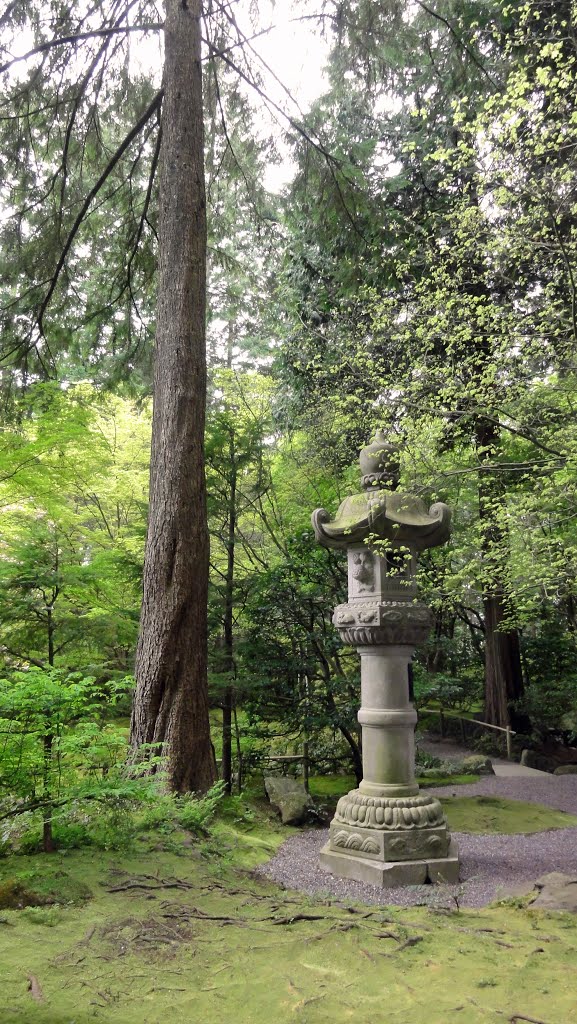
<point>386,832</point>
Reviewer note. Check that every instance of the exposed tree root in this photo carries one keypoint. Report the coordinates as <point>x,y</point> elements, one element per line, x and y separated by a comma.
<point>149,882</point>
<point>521,1017</point>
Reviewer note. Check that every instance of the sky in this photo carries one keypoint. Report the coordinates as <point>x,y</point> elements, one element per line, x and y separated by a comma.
<point>287,39</point>
<point>293,47</point>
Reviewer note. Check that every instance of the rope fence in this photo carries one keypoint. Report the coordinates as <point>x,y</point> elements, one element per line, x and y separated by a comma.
<point>509,732</point>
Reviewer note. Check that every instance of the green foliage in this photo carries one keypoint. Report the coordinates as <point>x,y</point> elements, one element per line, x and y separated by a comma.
<point>445,691</point>
<point>73,479</point>
<point>550,699</point>
<point>420,276</point>
<point>195,813</point>
<point>59,763</point>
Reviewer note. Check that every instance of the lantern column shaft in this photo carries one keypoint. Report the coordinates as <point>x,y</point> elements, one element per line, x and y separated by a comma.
<point>388,721</point>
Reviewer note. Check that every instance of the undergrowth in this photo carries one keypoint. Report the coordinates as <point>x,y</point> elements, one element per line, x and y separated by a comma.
<point>117,823</point>
<point>189,932</point>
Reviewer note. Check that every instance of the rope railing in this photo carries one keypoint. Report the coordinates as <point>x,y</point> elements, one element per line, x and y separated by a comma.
<point>442,713</point>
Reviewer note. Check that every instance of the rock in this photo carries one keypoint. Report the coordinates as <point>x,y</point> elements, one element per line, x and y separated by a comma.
<point>556,891</point>
<point>531,759</point>
<point>478,765</point>
<point>559,752</point>
<point>289,797</point>
<point>566,769</point>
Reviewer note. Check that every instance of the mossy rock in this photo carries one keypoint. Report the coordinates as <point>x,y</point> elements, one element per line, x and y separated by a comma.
<point>40,888</point>
<point>478,764</point>
<point>289,797</point>
<point>14,895</point>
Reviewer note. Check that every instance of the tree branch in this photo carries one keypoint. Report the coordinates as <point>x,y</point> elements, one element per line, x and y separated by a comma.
<point>51,44</point>
<point>459,39</point>
<point>150,110</point>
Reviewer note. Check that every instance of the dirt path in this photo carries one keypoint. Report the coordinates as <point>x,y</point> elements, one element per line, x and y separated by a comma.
<point>448,750</point>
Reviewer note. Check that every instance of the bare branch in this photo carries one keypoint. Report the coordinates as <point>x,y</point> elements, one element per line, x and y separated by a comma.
<point>150,110</point>
<point>51,44</point>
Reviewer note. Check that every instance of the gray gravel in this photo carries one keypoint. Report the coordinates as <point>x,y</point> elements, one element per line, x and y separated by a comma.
<point>491,866</point>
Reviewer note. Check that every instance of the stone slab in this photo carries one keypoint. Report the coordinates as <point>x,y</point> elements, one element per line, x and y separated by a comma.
<point>556,891</point>
<point>389,846</point>
<point>509,769</point>
<point>389,875</point>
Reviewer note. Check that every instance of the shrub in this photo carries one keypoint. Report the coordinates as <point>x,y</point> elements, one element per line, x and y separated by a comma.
<point>195,812</point>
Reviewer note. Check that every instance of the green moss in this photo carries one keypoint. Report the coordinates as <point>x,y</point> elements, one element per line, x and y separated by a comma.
<point>446,780</point>
<point>14,895</point>
<point>494,815</point>
<point>201,939</point>
<point>42,881</point>
<point>331,785</point>
<point>191,934</point>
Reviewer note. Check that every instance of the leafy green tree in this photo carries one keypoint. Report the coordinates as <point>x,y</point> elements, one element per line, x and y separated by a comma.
<point>47,735</point>
<point>73,519</point>
<point>450,321</point>
<point>239,423</point>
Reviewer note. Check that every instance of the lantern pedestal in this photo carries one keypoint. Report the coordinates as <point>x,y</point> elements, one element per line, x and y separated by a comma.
<point>386,832</point>
<point>390,874</point>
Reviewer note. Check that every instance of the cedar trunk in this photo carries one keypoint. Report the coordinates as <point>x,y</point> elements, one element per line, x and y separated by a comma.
<point>503,672</point>
<point>171,699</point>
<point>228,666</point>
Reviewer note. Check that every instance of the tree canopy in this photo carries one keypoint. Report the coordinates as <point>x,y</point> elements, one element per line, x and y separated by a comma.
<point>417,273</point>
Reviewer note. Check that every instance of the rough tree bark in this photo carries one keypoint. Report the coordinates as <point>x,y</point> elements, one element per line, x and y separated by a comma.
<point>503,672</point>
<point>228,632</point>
<point>171,700</point>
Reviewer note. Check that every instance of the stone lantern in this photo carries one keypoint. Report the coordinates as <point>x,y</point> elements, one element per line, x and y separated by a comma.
<point>386,832</point>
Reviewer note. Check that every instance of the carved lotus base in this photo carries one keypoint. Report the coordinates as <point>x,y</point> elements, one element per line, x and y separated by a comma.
<point>407,813</point>
<point>368,623</point>
<point>390,874</point>
<point>390,841</point>
<point>389,846</point>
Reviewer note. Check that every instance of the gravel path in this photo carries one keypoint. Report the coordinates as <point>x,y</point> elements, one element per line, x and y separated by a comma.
<point>491,865</point>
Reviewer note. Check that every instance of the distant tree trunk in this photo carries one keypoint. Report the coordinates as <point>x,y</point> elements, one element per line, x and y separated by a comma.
<point>47,806</point>
<point>503,672</point>
<point>228,666</point>
<point>171,699</point>
<point>50,632</point>
<point>47,751</point>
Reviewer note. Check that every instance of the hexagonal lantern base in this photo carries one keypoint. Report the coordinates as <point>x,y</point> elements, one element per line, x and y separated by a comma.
<point>389,874</point>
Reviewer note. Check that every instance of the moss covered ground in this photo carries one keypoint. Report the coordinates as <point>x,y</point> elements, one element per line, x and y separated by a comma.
<point>335,786</point>
<point>180,930</point>
<point>495,815</point>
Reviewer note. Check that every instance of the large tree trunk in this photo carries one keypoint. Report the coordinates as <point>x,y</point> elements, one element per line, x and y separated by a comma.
<point>171,700</point>
<point>503,675</point>
<point>503,672</point>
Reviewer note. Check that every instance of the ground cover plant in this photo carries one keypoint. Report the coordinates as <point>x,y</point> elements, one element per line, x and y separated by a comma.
<point>180,929</point>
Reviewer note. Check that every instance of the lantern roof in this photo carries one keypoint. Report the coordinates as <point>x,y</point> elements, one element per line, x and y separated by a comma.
<point>381,513</point>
